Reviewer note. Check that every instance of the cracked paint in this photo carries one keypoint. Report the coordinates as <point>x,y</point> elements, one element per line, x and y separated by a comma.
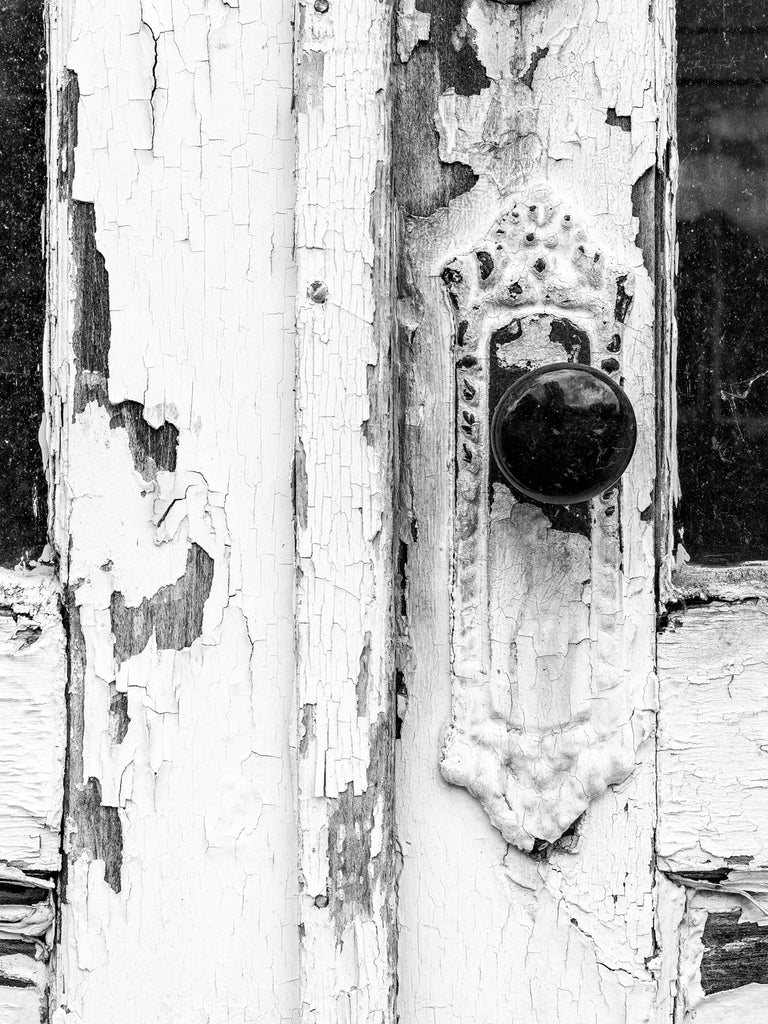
<point>32,709</point>
<point>713,734</point>
<point>343,513</point>
<point>170,434</point>
<point>567,933</point>
<point>32,751</point>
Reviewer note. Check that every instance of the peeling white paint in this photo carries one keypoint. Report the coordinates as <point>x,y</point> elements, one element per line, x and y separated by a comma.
<point>27,934</point>
<point>33,675</point>
<point>343,534</point>
<point>186,154</point>
<point>412,28</point>
<point>185,151</point>
<point>570,937</point>
<point>713,733</point>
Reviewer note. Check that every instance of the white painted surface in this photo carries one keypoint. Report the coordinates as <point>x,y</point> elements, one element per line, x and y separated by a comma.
<point>488,934</point>
<point>344,513</point>
<point>186,153</point>
<point>737,1005</point>
<point>713,735</point>
<point>544,715</point>
<point>26,934</point>
<point>33,676</point>
<point>190,174</point>
<point>20,1006</point>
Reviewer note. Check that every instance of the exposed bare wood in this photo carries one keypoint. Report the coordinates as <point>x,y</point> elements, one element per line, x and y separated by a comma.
<point>27,916</point>
<point>720,582</point>
<point>721,967</point>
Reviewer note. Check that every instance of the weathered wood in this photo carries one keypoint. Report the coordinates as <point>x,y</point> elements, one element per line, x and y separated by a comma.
<point>33,672</point>
<point>27,916</point>
<point>22,280</point>
<point>170,401</point>
<point>567,933</point>
<point>713,731</point>
<point>345,675</point>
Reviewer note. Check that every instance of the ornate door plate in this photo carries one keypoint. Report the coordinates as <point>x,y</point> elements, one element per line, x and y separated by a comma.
<point>543,719</point>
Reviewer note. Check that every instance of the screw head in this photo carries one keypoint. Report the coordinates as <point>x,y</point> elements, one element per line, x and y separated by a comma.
<point>318,291</point>
<point>321,6</point>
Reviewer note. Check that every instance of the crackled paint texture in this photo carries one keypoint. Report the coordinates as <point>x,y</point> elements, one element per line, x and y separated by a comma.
<point>170,391</point>
<point>567,932</point>
<point>33,673</point>
<point>33,740</point>
<point>344,513</point>
<point>204,468</point>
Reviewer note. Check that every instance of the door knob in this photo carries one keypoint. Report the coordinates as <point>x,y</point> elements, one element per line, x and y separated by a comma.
<point>563,433</point>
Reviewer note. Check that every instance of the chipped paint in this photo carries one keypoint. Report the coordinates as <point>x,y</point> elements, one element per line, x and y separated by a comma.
<point>544,717</point>
<point>713,733</point>
<point>170,373</point>
<point>32,710</point>
<point>567,931</point>
<point>343,513</point>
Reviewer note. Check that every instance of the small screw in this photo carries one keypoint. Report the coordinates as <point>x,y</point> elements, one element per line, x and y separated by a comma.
<point>321,6</point>
<point>321,901</point>
<point>318,290</point>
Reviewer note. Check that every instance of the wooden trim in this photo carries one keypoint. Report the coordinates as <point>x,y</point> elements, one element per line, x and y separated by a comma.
<point>565,95</point>
<point>343,507</point>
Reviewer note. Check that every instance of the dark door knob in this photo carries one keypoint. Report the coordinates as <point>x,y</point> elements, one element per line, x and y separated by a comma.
<point>563,433</point>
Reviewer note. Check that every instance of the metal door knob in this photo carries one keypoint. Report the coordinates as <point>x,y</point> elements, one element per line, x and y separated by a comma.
<point>563,433</point>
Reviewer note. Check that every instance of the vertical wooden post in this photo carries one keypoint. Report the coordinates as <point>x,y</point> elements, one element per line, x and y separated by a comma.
<point>343,511</point>
<point>171,403</point>
<point>558,95</point>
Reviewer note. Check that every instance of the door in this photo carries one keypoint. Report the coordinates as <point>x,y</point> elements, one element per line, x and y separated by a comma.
<point>601,858</point>
<point>358,730</point>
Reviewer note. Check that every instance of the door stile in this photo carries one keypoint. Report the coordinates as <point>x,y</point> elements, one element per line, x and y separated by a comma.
<point>343,508</point>
<point>171,362</point>
<point>562,96</point>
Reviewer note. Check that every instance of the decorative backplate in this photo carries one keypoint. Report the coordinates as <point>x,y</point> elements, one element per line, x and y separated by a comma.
<point>541,721</point>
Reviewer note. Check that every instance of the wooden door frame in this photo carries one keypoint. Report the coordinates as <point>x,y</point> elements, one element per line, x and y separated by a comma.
<point>415,127</point>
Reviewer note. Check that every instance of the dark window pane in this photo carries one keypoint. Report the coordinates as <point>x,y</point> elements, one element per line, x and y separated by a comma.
<point>22,279</point>
<point>722,295</point>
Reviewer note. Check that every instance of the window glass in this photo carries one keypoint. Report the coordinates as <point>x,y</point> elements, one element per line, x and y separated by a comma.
<point>722,293</point>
